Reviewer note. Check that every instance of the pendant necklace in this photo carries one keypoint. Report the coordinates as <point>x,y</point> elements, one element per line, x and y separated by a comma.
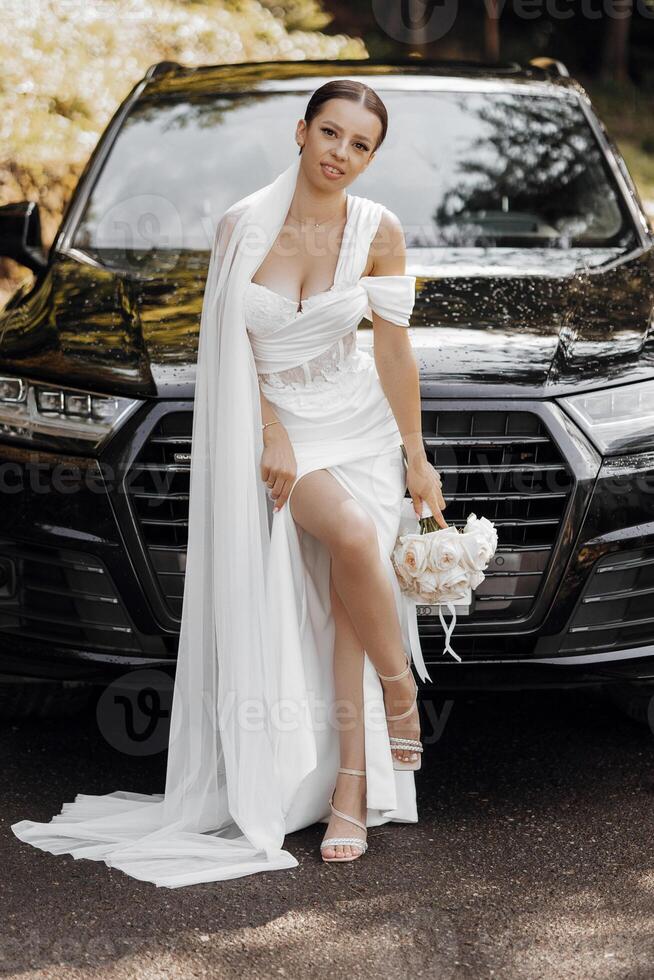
<point>316,224</point>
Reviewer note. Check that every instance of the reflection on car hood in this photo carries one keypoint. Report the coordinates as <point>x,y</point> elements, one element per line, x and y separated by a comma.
<point>552,327</point>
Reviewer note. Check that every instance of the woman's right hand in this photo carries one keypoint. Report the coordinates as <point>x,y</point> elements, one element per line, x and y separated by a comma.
<point>278,464</point>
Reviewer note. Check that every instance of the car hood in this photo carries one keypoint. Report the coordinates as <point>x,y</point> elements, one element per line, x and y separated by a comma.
<point>534,324</point>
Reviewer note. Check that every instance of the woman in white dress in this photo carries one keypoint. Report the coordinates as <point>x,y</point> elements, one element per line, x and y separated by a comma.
<point>294,701</point>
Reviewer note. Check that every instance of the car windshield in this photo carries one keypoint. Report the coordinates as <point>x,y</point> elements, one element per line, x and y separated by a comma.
<point>473,169</point>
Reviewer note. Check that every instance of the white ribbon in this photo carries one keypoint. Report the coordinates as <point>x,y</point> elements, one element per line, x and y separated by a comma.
<point>414,636</point>
<point>414,641</point>
<point>448,631</point>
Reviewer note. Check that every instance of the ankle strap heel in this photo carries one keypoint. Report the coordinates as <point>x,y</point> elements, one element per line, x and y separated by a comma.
<point>358,842</point>
<point>405,744</point>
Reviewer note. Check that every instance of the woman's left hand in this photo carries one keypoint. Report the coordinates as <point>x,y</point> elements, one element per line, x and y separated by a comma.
<point>424,483</point>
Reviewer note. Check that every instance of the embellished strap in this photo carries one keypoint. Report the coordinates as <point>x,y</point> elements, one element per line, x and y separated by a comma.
<point>352,841</point>
<point>410,744</point>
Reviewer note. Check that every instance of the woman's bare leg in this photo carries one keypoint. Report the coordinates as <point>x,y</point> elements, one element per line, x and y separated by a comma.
<point>350,790</point>
<point>321,506</point>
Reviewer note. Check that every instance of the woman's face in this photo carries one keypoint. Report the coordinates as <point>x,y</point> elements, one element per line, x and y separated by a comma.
<point>343,136</point>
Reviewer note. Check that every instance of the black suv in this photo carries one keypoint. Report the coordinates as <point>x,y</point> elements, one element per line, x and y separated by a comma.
<point>532,329</point>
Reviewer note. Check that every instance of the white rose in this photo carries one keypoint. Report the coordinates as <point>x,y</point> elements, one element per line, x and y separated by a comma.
<point>444,551</point>
<point>409,561</point>
<point>453,584</point>
<point>482,526</point>
<point>416,553</point>
<point>404,579</point>
<point>469,552</point>
<point>478,546</point>
<point>486,552</point>
<point>427,582</point>
<point>403,574</point>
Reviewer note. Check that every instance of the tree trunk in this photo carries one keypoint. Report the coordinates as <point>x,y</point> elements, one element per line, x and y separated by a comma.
<point>615,47</point>
<point>491,30</point>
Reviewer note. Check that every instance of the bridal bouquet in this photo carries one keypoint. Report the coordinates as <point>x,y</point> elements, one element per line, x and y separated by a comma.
<point>441,565</point>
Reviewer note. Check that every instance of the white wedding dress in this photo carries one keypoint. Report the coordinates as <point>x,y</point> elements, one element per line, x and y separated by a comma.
<point>327,393</point>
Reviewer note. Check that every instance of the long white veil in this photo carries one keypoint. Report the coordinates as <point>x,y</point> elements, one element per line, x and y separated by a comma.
<point>222,814</point>
<point>222,765</point>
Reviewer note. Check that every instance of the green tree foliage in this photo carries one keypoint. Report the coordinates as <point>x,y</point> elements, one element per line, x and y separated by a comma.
<point>67,64</point>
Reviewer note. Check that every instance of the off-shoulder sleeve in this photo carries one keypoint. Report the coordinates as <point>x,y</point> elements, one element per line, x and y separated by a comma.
<point>391,297</point>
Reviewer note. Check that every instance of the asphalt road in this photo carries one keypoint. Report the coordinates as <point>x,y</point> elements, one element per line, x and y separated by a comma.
<point>533,858</point>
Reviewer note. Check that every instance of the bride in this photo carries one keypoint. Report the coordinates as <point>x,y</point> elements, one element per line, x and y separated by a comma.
<point>294,700</point>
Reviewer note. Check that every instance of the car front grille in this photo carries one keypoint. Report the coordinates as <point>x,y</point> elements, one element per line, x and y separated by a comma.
<point>502,465</point>
<point>62,597</point>
<point>158,488</point>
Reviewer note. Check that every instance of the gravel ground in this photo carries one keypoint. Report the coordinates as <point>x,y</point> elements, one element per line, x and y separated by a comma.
<point>532,858</point>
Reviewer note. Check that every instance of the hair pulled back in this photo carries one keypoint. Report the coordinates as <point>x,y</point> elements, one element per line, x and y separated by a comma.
<point>355,91</point>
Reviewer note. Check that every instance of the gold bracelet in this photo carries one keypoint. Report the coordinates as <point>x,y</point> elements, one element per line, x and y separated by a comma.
<point>269,423</point>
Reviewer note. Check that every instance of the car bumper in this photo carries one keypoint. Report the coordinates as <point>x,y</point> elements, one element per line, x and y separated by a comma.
<point>92,566</point>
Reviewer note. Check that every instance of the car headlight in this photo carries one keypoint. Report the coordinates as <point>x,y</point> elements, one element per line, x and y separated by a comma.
<point>617,418</point>
<point>58,417</point>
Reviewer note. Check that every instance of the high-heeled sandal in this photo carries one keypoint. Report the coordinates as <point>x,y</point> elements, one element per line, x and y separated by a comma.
<point>407,744</point>
<point>352,841</point>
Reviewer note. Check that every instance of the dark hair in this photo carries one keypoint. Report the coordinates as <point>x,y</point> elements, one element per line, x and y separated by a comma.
<point>348,88</point>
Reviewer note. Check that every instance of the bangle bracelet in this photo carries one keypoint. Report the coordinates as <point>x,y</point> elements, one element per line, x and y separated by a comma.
<point>269,423</point>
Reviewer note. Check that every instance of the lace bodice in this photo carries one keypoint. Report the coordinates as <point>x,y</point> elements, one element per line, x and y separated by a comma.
<point>266,311</point>
<point>308,354</point>
<point>265,307</point>
<point>309,351</point>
